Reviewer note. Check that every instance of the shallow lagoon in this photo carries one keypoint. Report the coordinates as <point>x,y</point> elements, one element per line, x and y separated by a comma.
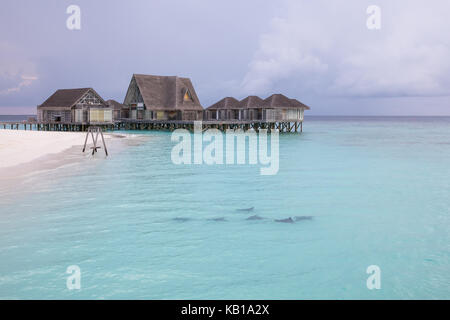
<point>138,226</point>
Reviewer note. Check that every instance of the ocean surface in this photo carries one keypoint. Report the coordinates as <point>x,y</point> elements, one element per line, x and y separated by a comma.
<point>15,118</point>
<point>139,226</point>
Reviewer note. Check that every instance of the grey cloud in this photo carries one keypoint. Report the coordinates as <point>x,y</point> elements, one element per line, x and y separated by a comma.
<point>326,47</point>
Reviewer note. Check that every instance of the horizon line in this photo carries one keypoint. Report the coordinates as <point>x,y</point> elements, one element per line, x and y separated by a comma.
<point>313,115</point>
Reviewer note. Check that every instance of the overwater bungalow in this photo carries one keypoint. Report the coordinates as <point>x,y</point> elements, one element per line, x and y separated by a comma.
<point>119,110</point>
<point>152,97</point>
<point>278,107</point>
<point>275,108</point>
<point>250,108</point>
<point>81,105</point>
<point>225,109</point>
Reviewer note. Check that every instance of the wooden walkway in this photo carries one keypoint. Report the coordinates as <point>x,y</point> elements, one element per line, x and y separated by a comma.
<point>161,125</point>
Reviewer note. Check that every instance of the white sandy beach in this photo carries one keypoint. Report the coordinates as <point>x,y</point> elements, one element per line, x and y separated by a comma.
<point>20,146</point>
<point>25,155</point>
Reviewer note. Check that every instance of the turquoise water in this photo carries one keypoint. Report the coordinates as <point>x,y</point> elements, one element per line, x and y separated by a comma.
<point>378,190</point>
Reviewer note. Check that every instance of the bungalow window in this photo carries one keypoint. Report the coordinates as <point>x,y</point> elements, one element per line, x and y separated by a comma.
<point>187,96</point>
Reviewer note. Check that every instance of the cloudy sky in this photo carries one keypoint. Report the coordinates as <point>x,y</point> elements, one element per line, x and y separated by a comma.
<point>320,52</point>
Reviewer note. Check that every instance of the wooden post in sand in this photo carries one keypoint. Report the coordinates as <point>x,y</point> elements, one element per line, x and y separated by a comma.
<point>91,131</point>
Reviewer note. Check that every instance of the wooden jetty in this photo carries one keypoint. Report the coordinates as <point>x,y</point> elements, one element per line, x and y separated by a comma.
<point>158,125</point>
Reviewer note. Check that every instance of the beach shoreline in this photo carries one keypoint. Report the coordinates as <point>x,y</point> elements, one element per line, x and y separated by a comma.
<point>19,147</point>
<point>25,154</point>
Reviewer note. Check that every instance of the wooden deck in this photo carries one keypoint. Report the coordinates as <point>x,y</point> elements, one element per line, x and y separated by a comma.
<point>161,125</point>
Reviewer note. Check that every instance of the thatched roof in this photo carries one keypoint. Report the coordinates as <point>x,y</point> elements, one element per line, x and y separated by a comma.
<point>67,98</point>
<point>115,105</point>
<point>225,103</point>
<point>298,104</point>
<point>164,92</point>
<point>254,102</point>
<point>278,100</point>
<point>251,102</point>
